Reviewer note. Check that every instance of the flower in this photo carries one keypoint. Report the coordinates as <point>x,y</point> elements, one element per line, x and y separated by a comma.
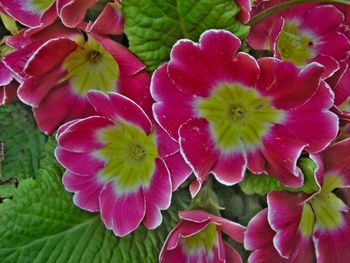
<point>302,35</point>
<point>198,238</point>
<point>229,111</point>
<point>307,227</point>
<point>58,66</point>
<point>115,163</point>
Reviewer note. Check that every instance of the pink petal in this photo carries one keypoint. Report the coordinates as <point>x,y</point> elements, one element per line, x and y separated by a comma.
<point>172,107</point>
<point>136,88</point>
<point>16,60</point>
<point>109,22</point>
<point>231,255</point>
<point>281,150</point>
<point>166,145</point>
<point>333,245</point>
<point>178,168</point>
<point>267,255</point>
<point>49,56</point>
<point>86,188</point>
<point>64,126</point>
<point>336,160</point>
<point>175,255</point>
<point>20,12</point>
<point>79,163</point>
<point>128,63</point>
<point>115,106</point>
<point>329,41</point>
<point>8,93</point>
<point>258,37</point>
<point>122,213</point>
<point>331,64</point>
<point>72,12</point>
<point>82,136</point>
<point>6,76</point>
<point>255,162</point>
<point>244,14</point>
<point>34,89</point>
<point>259,233</point>
<point>158,195</point>
<point>49,115</point>
<point>230,168</point>
<point>197,148</point>
<point>232,229</point>
<point>289,86</point>
<point>313,19</point>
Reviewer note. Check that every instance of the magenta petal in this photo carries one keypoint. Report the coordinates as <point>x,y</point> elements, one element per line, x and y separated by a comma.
<point>48,115</point>
<point>82,136</point>
<point>178,168</point>
<point>49,56</point>
<point>267,255</point>
<point>169,112</point>
<point>33,90</point>
<point>128,63</point>
<point>115,106</point>
<point>174,255</point>
<point>284,209</point>
<point>6,76</point>
<point>158,195</point>
<point>336,160</point>
<point>259,233</point>
<point>73,12</point>
<point>308,122</point>
<point>8,93</point>
<point>255,162</point>
<point>197,147</point>
<point>109,22</point>
<point>122,213</point>
<point>231,254</point>
<point>337,39</point>
<point>281,150</point>
<point>286,84</point>
<point>333,245</point>
<point>230,168</point>
<point>244,14</point>
<point>78,163</point>
<point>86,188</point>
<point>64,126</point>
<point>331,65</point>
<point>166,145</point>
<point>322,26</point>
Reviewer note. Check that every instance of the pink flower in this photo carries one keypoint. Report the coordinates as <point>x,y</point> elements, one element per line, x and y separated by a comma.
<point>115,163</point>
<point>58,66</point>
<point>307,227</point>
<point>302,35</point>
<point>230,112</point>
<point>198,238</point>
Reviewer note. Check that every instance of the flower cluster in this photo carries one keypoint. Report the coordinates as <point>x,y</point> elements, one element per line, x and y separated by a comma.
<point>129,138</point>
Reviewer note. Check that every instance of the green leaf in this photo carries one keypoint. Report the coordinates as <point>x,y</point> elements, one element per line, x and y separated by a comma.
<point>262,184</point>
<point>41,224</point>
<point>23,143</point>
<point>259,184</point>
<point>153,27</point>
<point>7,189</point>
<point>48,160</point>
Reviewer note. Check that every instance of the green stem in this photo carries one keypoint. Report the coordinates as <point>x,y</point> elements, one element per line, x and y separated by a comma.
<point>278,8</point>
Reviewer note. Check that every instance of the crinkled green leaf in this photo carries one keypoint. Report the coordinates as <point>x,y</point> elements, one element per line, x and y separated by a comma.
<point>41,224</point>
<point>23,143</point>
<point>259,184</point>
<point>154,26</point>
<point>7,189</point>
<point>262,184</point>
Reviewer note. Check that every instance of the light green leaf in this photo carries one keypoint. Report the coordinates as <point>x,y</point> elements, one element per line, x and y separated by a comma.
<point>41,224</point>
<point>23,143</point>
<point>154,26</point>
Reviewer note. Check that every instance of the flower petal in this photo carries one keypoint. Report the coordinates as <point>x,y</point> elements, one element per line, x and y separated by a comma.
<point>122,213</point>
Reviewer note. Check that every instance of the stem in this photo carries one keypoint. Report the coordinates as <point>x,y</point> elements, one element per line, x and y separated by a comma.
<point>280,7</point>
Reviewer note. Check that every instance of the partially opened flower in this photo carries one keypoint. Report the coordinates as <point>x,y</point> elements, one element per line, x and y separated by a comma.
<point>58,72</point>
<point>198,238</point>
<point>230,112</point>
<point>302,35</point>
<point>115,165</point>
<point>308,227</point>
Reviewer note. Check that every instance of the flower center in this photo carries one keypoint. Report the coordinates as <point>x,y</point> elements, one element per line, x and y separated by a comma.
<point>295,45</point>
<point>129,155</point>
<point>91,66</point>
<point>324,210</point>
<point>202,241</point>
<point>237,115</point>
